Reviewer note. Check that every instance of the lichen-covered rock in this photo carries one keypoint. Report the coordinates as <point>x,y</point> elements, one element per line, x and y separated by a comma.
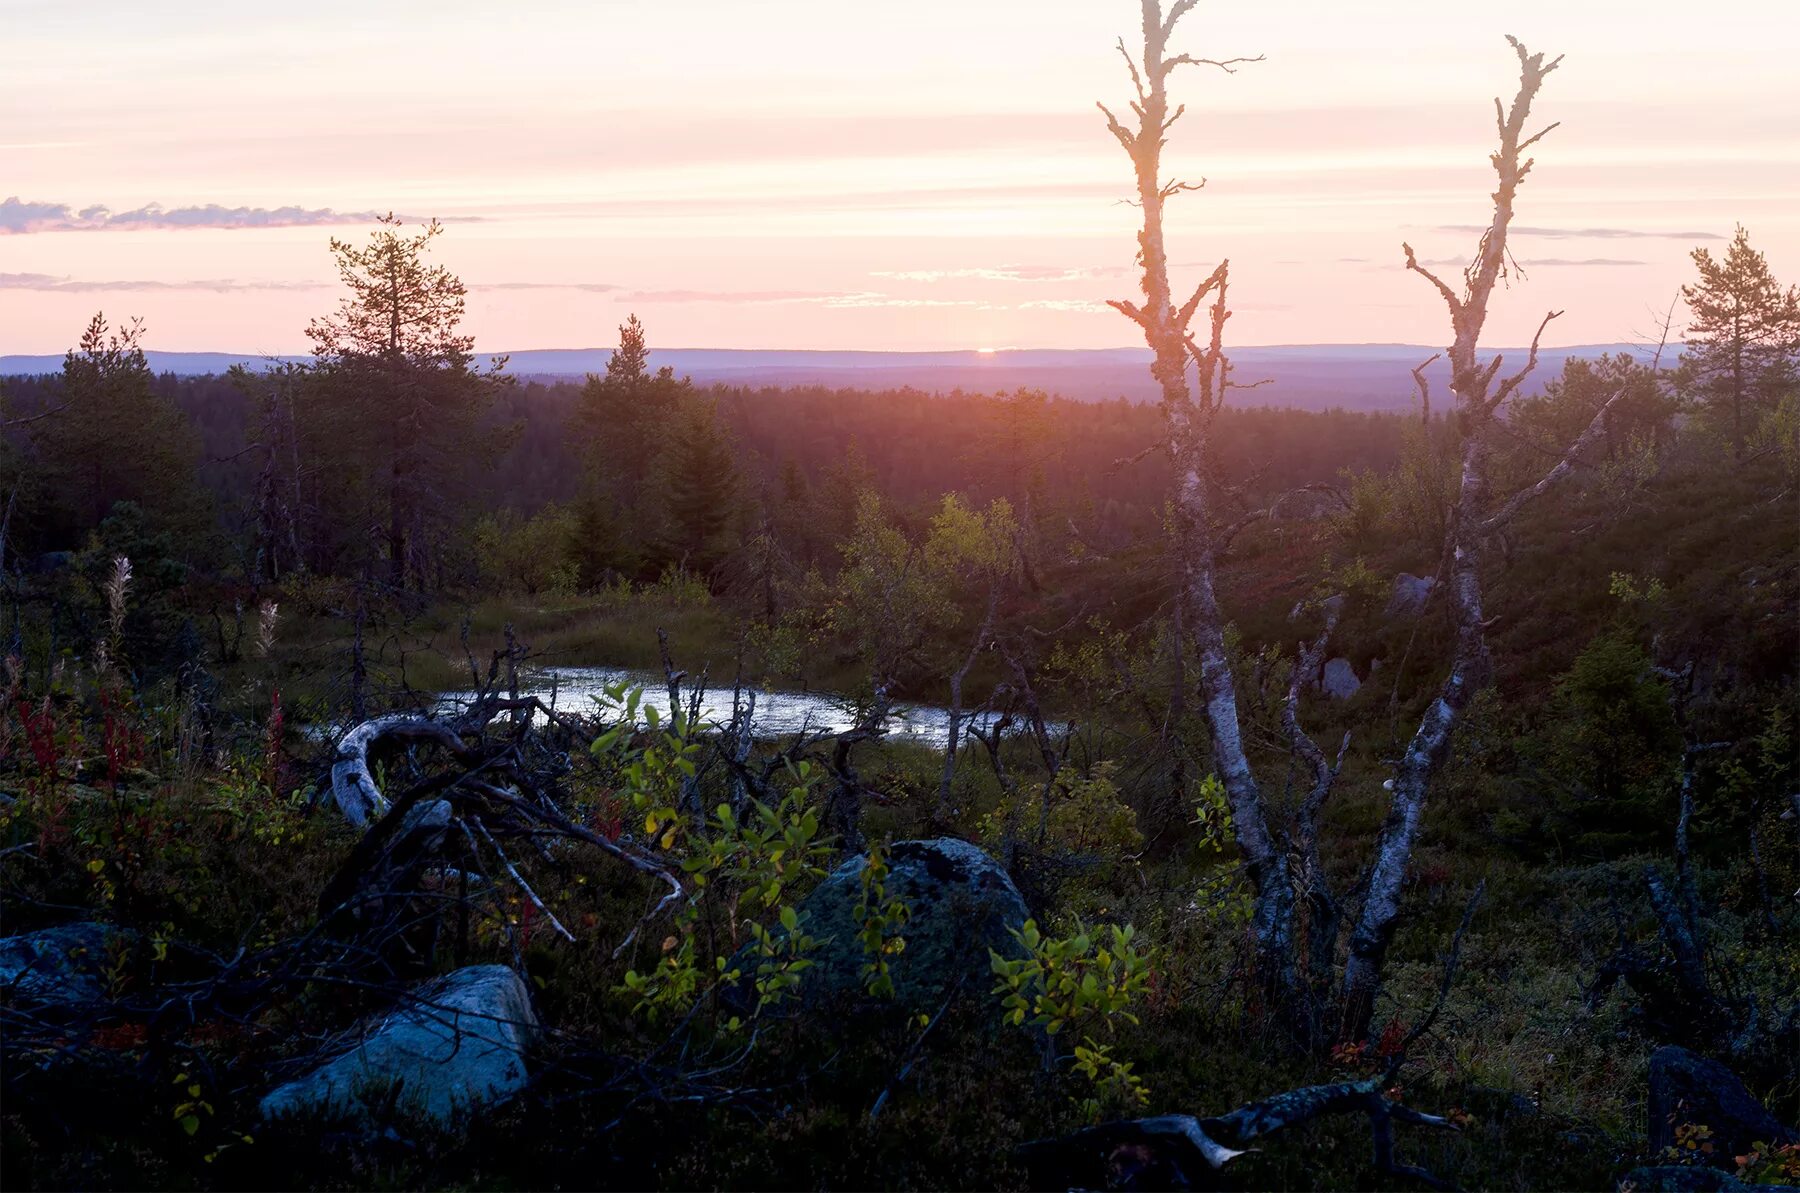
<point>963,904</point>
<point>1688,1088</point>
<point>458,1043</point>
<point>64,966</point>
<point>1339,680</point>
<point>1410,593</point>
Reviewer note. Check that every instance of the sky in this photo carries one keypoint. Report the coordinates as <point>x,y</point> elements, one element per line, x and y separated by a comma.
<point>832,174</point>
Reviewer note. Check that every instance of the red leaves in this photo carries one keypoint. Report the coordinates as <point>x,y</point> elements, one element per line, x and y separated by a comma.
<point>40,737</point>
<point>1393,1038</point>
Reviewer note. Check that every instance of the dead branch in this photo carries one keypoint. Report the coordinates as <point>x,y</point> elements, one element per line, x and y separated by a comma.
<point>1424,387</point>
<point>1178,1150</point>
<point>1596,428</point>
<point>353,786</point>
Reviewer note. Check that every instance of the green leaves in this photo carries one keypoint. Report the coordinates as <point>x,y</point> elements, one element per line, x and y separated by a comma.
<point>1212,814</point>
<point>752,860</point>
<point>880,919</point>
<point>1086,981</point>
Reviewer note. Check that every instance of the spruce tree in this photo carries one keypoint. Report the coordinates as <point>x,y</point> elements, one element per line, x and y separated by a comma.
<point>622,417</point>
<point>700,487</point>
<point>114,438</point>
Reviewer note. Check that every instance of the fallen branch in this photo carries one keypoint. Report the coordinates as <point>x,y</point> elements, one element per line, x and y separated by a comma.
<point>1175,1150</point>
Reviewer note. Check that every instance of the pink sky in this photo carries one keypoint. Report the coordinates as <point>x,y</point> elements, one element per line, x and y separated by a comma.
<point>816,174</point>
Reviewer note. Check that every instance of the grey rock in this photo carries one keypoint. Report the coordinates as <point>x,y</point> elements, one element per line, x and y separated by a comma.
<point>1688,1088</point>
<point>963,904</point>
<point>64,966</point>
<point>1339,680</point>
<point>456,1045</point>
<point>1410,593</point>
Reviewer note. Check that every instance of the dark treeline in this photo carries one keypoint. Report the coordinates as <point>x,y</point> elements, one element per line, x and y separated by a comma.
<point>910,446</point>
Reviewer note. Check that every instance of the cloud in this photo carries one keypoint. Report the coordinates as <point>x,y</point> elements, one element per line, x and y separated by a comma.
<point>51,283</point>
<point>1063,304</point>
<point>1589,233</point>
<point>1581,261</point>
<point>65,285</point>
<point>874,299</point>
<point>1534,262</point>
<point>589,287</point>
<point>1004,273</point>
<point>751,297</point>
<point>18,217</point>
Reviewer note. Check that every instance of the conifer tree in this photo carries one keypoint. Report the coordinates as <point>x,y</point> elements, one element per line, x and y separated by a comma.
<point>403,397</point>
<point>622,416</point>
<point>114,438</point>
<point>700,486</point>
<point>1743,338</point>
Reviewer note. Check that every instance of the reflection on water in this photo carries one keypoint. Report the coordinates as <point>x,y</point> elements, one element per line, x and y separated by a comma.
<point>777,714</point>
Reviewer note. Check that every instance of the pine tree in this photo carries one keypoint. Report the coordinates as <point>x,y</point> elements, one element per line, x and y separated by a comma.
<point>1743,337</point>
<point>404,398</point>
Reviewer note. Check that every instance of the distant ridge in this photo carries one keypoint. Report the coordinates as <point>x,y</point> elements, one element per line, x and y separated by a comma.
<point>1309,376</point>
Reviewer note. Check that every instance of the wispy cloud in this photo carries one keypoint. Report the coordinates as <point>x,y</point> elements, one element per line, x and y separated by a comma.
<point>1553,261</point>
<point>588,287</point>
<point>1587,233</point>
<point>1004,273</point>
<point>733,296</point>
<point>54,284</point>
<point>1546,262</point>
<point>1081,305</point>
<point>873,299</point>
<point>18,217</point>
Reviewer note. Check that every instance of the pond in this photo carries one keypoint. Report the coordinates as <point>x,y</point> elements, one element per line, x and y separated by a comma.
<point>778,713</point>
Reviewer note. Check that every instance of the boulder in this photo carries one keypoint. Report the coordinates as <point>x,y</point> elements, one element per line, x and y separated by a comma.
<point>63,966</point>
<point>455,1045</point>
<point>1689,1088</point>
<point>1339,680</point>
<point>962,903</point>
<point>1410,593</point>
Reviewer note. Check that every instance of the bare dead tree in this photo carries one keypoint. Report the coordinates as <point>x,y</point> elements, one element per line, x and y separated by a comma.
<point>1479,393</point>
<point>1194,377</point>
<point>1187,423</point>
<point>1314,888</point>
<point>958,716</point>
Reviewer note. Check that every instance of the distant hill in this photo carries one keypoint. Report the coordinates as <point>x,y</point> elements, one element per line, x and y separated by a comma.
<point>1308,376</point>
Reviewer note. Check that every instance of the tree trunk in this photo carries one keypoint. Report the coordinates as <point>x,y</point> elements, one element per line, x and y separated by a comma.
<point>1186,425</point>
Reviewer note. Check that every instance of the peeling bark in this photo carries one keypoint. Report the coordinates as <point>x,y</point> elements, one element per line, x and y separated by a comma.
<point>1322,912</point>
<point>353,786</point>
<point>1187,424</point>
<point>1473,518</point>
